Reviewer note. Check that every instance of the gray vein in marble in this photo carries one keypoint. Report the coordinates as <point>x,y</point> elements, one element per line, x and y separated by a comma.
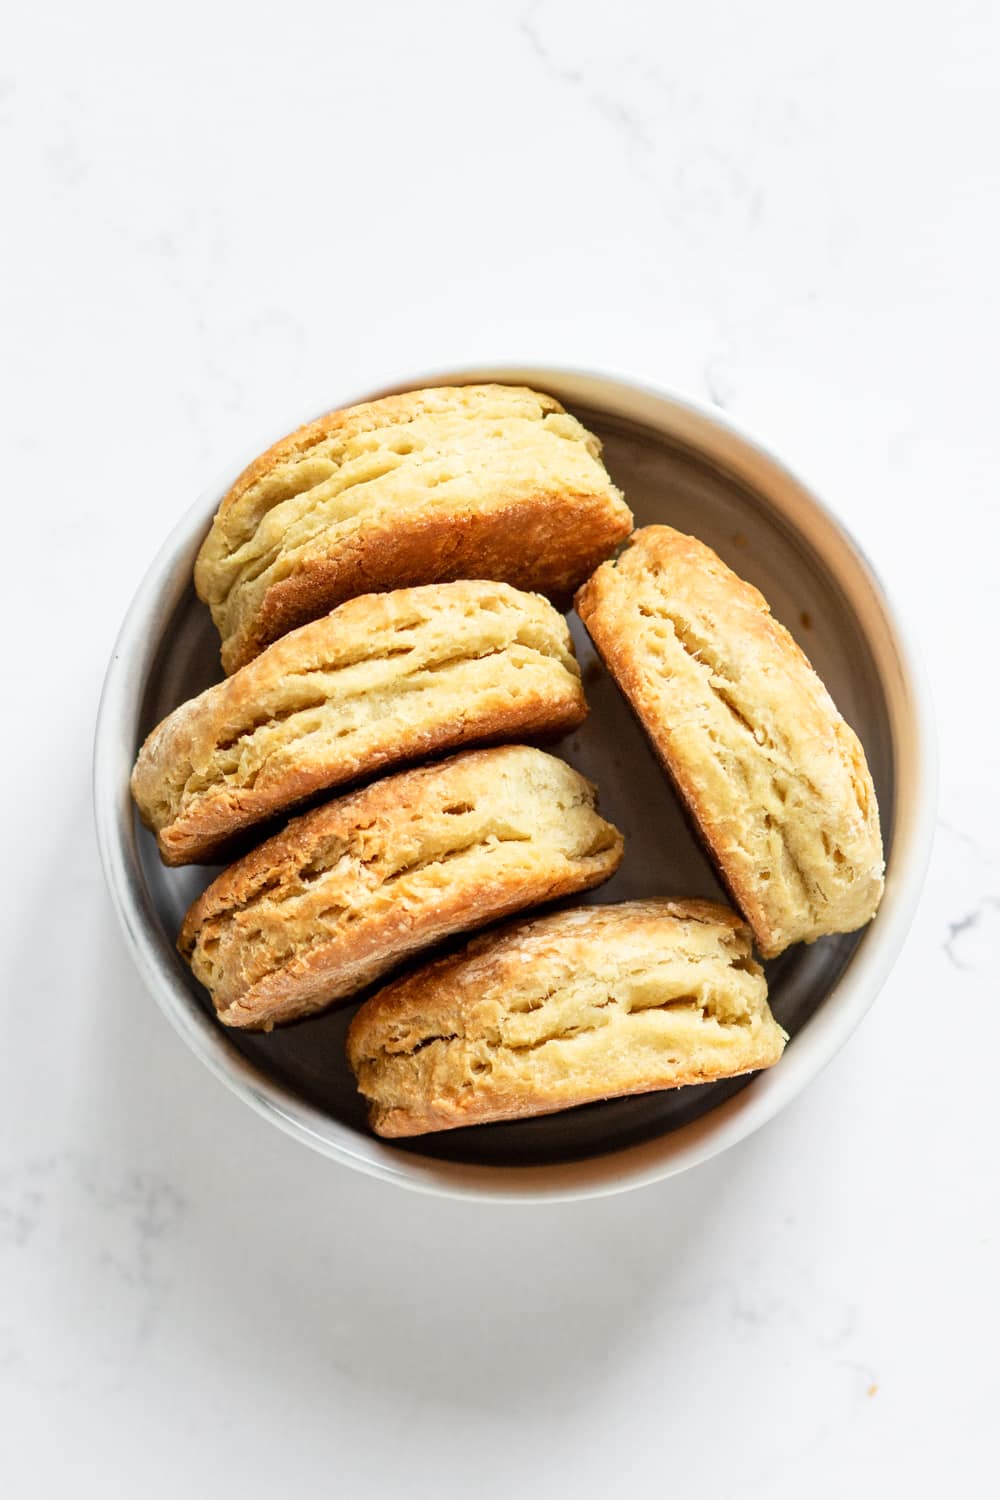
<point>85,1266</point>
<point>720,388</point>
<point>963,925</point>
<point>710,186</point>
<point>626,120</point>
<point>529,29</point>
<point>192,256</point>
<point>968,840</point>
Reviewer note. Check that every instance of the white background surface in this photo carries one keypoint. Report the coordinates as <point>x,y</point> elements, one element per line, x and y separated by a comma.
<point>215,218</point>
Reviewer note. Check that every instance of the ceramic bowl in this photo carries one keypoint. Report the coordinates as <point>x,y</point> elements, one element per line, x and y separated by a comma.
<point>676,463</point>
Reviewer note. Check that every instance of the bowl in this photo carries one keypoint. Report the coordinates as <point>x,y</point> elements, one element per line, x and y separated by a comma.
<point>678,463</point>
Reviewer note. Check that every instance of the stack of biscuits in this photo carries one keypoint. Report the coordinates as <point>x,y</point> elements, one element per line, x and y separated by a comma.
<point>387,583</point>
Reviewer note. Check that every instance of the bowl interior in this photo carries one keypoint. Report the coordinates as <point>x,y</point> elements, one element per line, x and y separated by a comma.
<point>668,474</point>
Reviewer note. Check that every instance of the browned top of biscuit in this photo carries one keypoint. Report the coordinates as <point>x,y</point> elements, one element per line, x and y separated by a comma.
<point>332,434</point>
<point>482,481</point>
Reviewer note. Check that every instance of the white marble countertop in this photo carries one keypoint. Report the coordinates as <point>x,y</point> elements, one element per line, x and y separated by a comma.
<point>216,217</point>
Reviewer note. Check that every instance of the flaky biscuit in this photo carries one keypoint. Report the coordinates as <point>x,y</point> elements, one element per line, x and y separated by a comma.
<point>484,481</point>
<point>346,891</point>
<point>383,679</point>
<point>567,1009</point>
<point>774,779</point>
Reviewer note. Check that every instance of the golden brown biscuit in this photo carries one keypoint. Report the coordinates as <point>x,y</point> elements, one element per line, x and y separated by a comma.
<point>383,679</point>
<point>348,890</point>
<point>567,1009</point>
<point>479,481</point>
<point>775,780</point>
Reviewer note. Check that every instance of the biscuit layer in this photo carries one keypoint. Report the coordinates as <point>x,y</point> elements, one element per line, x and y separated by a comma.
<point>564,1010</point>
<point>485,481</point>
<point>383,679</point>
<point>349,889</point>
<point>772,776</point>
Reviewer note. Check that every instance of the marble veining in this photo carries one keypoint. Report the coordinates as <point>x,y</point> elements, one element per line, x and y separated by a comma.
<point>85,1257</point>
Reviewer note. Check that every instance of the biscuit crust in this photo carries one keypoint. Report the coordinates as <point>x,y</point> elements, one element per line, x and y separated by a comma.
<point>772,776</point>
<point>384,679</point>
<point>484,481</point>
<point>348,890</point>
<point>570,1008</point>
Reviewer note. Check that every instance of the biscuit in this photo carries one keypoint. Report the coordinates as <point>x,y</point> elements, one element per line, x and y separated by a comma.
<point>383,679</point>
<point>564,1010</point>
<point>773,778</point>
<point>346,891</point>
<point>479,481</point>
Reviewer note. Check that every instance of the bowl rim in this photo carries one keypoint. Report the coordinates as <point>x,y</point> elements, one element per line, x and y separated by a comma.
<point>914,743</point>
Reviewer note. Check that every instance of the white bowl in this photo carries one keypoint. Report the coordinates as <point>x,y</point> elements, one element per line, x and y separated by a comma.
<point>676,463</point>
